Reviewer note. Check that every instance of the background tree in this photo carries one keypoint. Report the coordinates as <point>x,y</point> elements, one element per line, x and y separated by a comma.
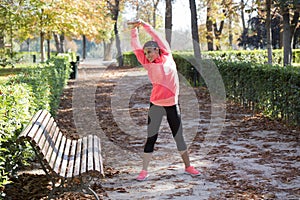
<point>168,21</point>
<point>221,16</point>
<point>146,10</point>
<point>62,19</point>
<point>94,22</point>
<point>245,30</point>
<point>269,31</point>
<point>154,13</point>
<point>288,8</point>
<point>256,34</point>
<point>194,27</point>
<point>209,26</point>
<point>89,20</point>
<point>13,22</point>
<point>115,9</point>
<point>218,29</point>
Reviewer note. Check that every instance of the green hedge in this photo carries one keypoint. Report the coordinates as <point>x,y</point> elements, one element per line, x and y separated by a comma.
<point>273,90</point>
<point>33,89</point>
<point>252,56</point>
<point>130,59</point>
<point>27,57</point>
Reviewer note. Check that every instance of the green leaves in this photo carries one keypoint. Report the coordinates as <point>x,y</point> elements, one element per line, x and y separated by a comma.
<point>15,102</point>
<point>25,19</point>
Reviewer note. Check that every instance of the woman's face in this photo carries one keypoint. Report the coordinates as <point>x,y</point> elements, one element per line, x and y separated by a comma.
<point>151,53</point>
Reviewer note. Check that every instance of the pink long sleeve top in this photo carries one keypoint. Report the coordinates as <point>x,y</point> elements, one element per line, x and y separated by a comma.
<point>162,71</point>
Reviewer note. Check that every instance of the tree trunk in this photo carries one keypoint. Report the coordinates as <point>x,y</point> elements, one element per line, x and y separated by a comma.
<point>287,49</point>
<point>269,32</point>
<point>83,47</point>
<point>230,35</point>
<point>28,45</point>
<point>48,49</point>
<point>218,32</point>
<point>42,49</point>
<point>11,42</point>
<point>296,41</point>
<point>195,34</point>
<point>294,25</point>
<point>209,28</point>
<point>62,43</point>
<point>118,42</point>
<point>107,50</point>
<point>243,21</point>
<point>59,42</point>
<point>155,4</point>
<point>281,34</point>
<point>168,21</point>
<point>137,10</point>
<point>56,40</point>
<point>230,16</point>
<point>118,45</point>
<point>1,40</point>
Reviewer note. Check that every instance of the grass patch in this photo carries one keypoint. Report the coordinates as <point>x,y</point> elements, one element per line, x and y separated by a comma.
<point>7,72</point>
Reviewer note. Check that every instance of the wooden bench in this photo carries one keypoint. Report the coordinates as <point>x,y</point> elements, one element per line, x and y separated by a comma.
<point>71,161</point>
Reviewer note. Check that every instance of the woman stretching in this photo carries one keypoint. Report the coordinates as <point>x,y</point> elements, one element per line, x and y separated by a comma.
<point>156,58</point>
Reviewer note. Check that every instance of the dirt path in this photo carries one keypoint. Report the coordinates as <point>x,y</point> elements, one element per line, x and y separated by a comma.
<point>253,158</point>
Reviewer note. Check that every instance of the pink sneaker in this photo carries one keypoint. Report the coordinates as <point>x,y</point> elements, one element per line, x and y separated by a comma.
<point>192,171</point>
<point>142,176</point>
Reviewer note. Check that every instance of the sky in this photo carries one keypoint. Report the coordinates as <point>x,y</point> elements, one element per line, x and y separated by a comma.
<point>181,14</point>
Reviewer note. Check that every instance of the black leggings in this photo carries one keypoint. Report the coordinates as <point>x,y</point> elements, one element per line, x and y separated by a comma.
<point>155,115</point>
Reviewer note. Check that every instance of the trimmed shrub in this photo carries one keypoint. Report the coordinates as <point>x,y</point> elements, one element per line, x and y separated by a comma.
<point>15,110</point>
<point>21,97</point>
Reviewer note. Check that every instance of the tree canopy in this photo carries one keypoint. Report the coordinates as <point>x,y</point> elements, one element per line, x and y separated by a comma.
<point>224,24</point>
<point>74,18</point>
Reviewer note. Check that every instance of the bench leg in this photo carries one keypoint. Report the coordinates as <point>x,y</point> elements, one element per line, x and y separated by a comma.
<point>41,162</point>
<point>94,193</point>
<point>59,188</point>
<point>87,187</point>
<point>46,172</point>
<point>82,187</point>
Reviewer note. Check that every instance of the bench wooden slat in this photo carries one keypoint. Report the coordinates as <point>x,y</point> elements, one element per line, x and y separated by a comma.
<point>71,159</point>
<point>30,125</point>
<point>49,141</point>
<point>43,139</point>
<point>55,150</point>
<point>78,157</point>
<point>52,145</point>
<point>59,155</point>
<point>36,126</point>
<point>65,158</point>
<point>90,153</point>
<point>100,159</point>
<point>41,130</point>
<point>84,155</point>
<point>96,153</point>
